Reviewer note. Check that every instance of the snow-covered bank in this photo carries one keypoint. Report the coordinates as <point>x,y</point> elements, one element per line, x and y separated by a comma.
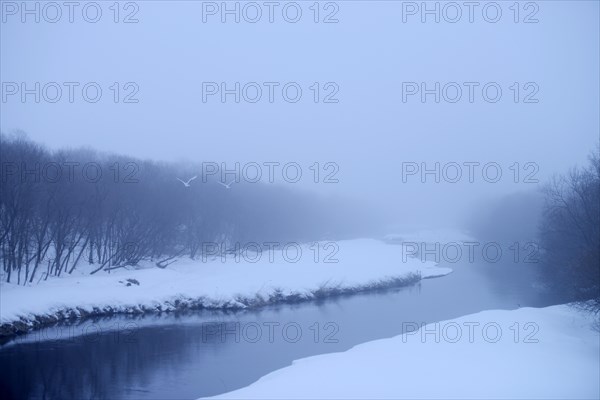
<point>527,353</point>
<point>362,264</point>
<point>428,236</point>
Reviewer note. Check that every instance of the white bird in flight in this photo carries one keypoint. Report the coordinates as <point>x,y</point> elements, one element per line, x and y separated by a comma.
<point>227,186</point>
<point>187,184</point>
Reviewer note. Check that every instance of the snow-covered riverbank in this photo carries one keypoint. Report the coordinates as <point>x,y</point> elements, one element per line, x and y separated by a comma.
<point>532,353</point>
<point>362,264</point>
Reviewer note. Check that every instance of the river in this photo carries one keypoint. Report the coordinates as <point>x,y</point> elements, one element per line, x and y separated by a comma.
<point>202,353</point>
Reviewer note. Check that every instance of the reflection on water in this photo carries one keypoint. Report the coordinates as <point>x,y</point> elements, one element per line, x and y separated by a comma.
<point>206,353</point>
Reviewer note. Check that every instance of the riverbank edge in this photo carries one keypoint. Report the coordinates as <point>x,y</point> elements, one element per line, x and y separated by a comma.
<point>23,325</point>
<point>565,334</point>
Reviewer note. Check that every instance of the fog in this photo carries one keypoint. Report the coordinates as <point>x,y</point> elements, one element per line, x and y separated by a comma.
<point>371,134</point>
<point>195,196</point>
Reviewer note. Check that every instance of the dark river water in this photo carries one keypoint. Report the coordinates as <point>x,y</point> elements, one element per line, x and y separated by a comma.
<point>202,353</point>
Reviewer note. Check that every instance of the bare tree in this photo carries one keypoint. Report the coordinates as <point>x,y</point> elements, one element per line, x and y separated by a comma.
<point>570,234</point>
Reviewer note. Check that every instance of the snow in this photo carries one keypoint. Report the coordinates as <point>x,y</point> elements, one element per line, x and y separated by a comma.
<point>555,356</point>
<point>213,283</point>
<point>429,236</point>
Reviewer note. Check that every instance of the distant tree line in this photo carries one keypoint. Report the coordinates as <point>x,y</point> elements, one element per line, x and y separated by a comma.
<point>570,235</point>
<point>59,209</point>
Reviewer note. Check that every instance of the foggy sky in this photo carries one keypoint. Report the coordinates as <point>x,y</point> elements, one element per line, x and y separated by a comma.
<point>369,133</point>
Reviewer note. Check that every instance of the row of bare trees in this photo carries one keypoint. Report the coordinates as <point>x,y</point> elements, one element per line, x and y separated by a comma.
<point>61,209</point>
<point>57,209</point>
<point>570,234</point>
